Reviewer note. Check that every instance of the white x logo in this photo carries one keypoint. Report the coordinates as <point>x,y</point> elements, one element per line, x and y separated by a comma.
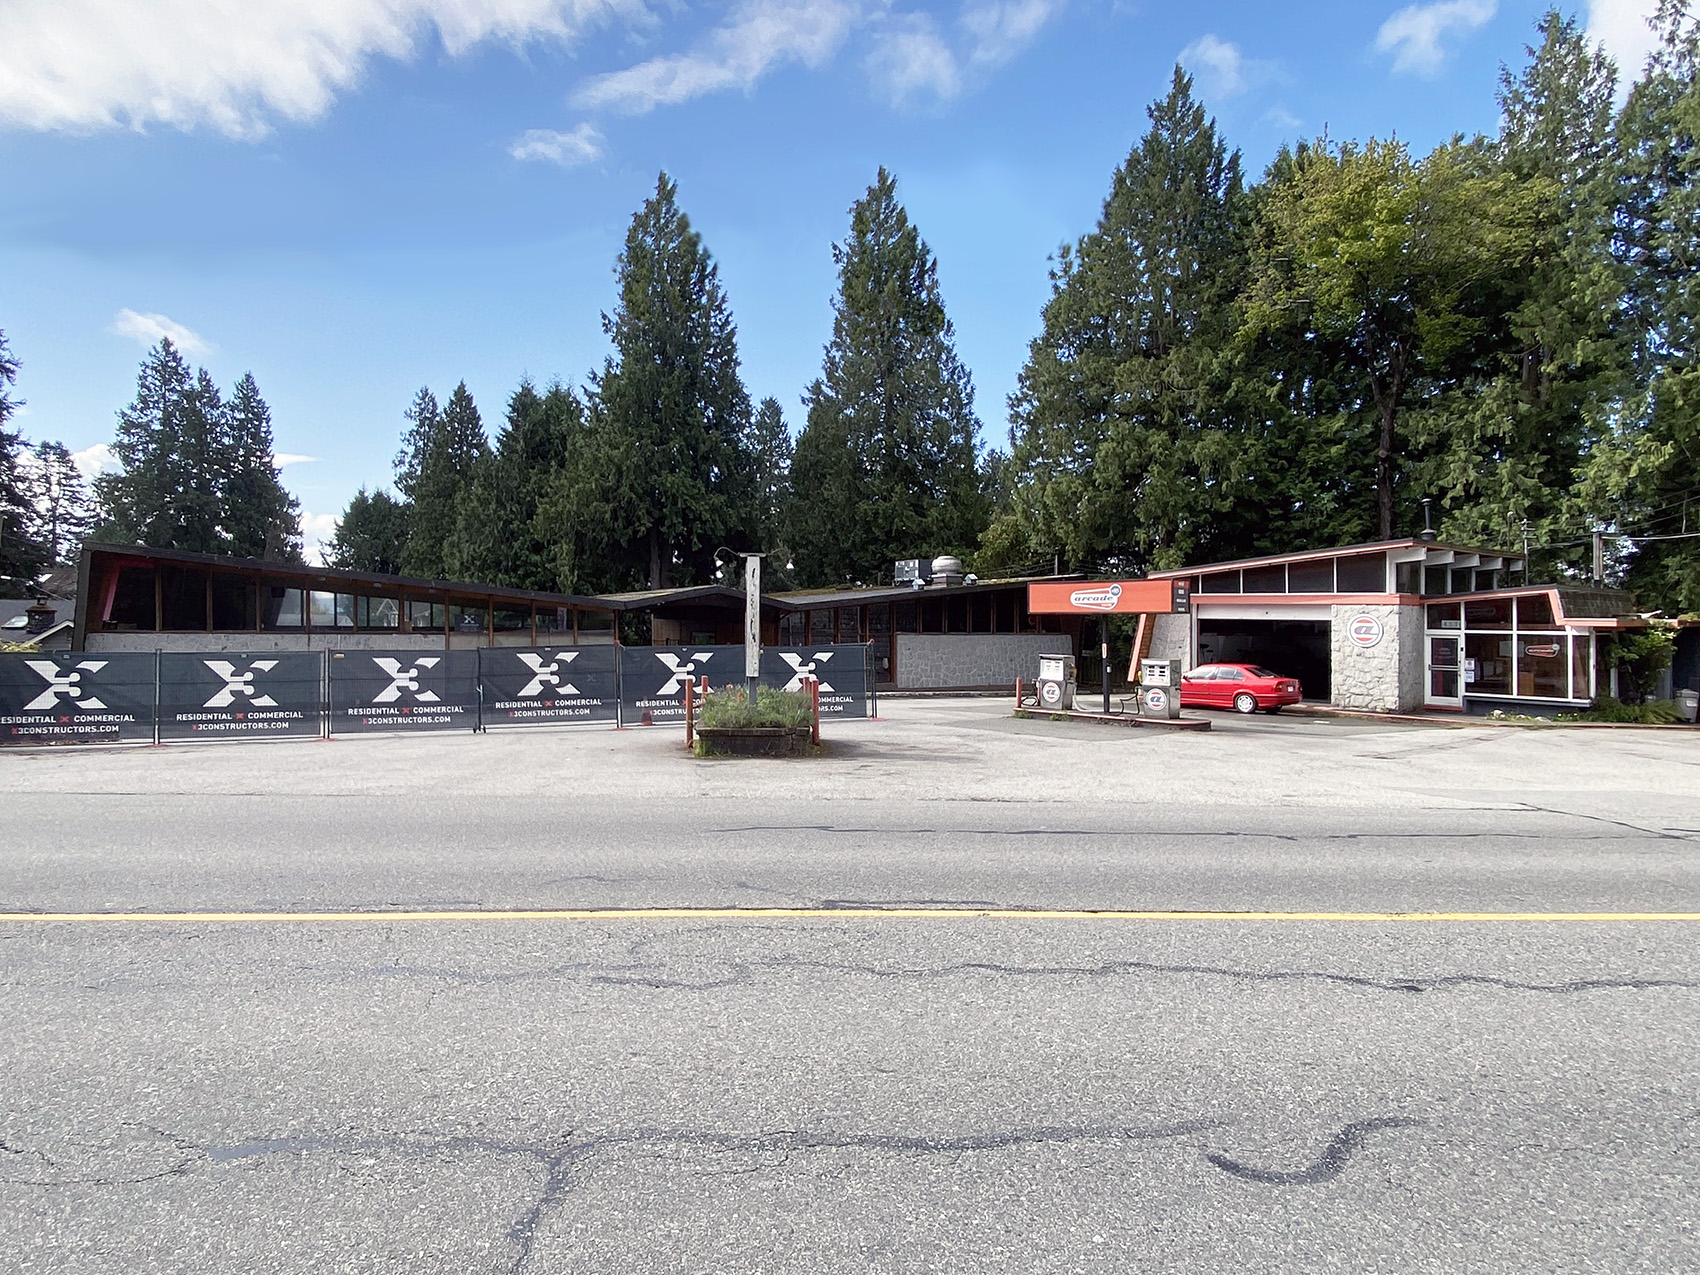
<point>677,681</point>
<point>239,684</point>
<point>405,679</point>
<point>803,670</point>
<point>547,674</point>
<point>66,684</point>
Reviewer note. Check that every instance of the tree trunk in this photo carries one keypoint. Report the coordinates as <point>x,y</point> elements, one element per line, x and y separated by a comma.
<point>654,558</point>
<point>1386,393</point>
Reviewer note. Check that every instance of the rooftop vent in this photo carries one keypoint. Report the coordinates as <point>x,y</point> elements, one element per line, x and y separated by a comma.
<point>947,571</point>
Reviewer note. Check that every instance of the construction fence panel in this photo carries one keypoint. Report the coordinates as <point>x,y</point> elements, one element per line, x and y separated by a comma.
<point>549,685</point>
<point>403,691</point>
<point>78,698</point>
<point>241,695</point>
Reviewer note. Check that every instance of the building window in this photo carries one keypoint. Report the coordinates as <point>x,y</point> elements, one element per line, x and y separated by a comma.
<point>1489,613</point>
<point>1535,612</point>
<point>1220,582</point>
<point>1266,579</point>
<point>426,617</point>
<point>377,613</point>
<point>1311,577</point>
<point>233,601</point>
<point>820,627</point>
<point>285,608</point>
<point>133,601</point>
<point>330,610</point>
<point>512,619</point>
<point>1543,666</point>
<point>1444,615</point>
<point>1436,581</point>
<point>1362,573</point>
<point>849,624</point>
<point>554,622</point>
<point>908,617</point>
<point>182,599</point>
<point>1487,663</point>
<point>1409,577</point>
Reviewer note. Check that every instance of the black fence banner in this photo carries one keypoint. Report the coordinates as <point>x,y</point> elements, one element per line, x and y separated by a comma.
<point>652,679</point>
<point>77,697</point>
<point>403,690</point>
<point>241,695</point>
<point>548,685</point>
<point>845,675</point>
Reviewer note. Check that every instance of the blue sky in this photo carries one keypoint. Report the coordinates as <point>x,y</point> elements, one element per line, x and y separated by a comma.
<point>353,198</point>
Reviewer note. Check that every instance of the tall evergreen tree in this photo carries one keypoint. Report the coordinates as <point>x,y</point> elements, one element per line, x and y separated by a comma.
<point>440,452</point>
<point>665,479</point>
<point>171,444</point>
<point>771,450</point>
<point>497,538</point>
<point>260,518</point>
<point>370,535</point>
<point>1128,448</point>
<point>22,553</point>
<point>64,512</point>
<point>1643,475</point>
<point>885,467</point>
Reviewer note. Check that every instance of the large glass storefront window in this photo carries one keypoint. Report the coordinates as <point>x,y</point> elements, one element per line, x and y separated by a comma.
<point>1512,647</point>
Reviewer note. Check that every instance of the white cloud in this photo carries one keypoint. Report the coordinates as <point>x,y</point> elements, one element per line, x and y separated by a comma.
<point>1000,29</point>
<point>1414,34</point>
<point>1280,118</point>
<point>237,65</point>
<point>317,531</point>
<point>580,146</point>
<point>1621,25</point>
<point>760,35</point>
<point>910,58</point>
<point>91,462</point>
<point>149,328</point>
<point>282,459</point>
<point>1218,64</point>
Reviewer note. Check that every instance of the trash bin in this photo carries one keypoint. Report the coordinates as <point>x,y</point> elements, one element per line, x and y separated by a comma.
<point>1056,682</point>
<point>1687,705</point>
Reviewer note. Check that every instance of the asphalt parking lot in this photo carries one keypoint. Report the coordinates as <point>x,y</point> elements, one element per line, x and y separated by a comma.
<point>856,1013</point>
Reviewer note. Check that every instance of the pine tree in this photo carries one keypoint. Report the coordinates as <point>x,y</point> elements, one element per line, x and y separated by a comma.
<point>439,455</point>
<point>65,513</point>
<point>260,518</point>
<point>1643,475</point>
<point>1131,450</point>
<point>171,444</point>
<point>770,449</point>
<point>22,552</point>
<point>497,539</point>
<point>665,478</point>
<point>885,467</point>
<point>370,535</point>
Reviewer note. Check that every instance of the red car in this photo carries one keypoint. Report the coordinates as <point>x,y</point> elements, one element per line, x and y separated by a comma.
<point>1245,688</point>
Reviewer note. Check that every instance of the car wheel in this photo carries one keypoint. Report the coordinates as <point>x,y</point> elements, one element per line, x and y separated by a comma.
<point>1245,702</point>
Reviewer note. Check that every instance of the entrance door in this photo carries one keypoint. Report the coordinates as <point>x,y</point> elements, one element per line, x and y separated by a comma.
<point>1445,678</point>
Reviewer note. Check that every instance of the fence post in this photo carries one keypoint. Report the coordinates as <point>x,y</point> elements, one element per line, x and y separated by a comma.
<point>814,711</point>
<point>324,693</point>
<point>872,675</point>
<point>157,658</point>
<point>478,681</point>
<point>690,715</point>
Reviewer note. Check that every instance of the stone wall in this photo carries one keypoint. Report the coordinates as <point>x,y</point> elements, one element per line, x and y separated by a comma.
<point>1386,677</point>
<point>928,661</point>
<point>1171,639</point>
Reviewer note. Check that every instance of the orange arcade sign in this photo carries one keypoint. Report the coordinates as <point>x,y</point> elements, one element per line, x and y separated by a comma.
<point>1109,597</point>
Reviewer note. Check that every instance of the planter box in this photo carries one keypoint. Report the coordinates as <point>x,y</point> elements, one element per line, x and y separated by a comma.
<point>755,741</point>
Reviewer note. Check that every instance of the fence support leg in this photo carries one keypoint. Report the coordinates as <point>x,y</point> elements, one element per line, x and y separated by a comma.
<point>814,711</point>
<point>690,715</point>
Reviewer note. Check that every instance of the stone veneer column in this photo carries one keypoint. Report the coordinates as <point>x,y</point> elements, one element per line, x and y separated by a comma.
<point>1386,677</point>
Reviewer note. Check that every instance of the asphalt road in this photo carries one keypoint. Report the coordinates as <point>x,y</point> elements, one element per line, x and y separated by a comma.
<point>821,1091</point>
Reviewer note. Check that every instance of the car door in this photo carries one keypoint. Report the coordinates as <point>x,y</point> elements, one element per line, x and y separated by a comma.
<point>1196,684</point>
<point>1229,681</point>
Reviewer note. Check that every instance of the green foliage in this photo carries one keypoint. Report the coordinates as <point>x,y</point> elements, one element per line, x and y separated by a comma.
<point>370,535</point>
<point>885,466</point>
<point>770,450</point>
<point>64,513</point>
<point>197,472</point>
<point>22,551</point>
<point>1640,657</point>
<point>440,450</point>
<point>664,476</point>
<point>497,537</point>
<point>731,708</point>
<point>1131,445</point>
<point>1658,712</point>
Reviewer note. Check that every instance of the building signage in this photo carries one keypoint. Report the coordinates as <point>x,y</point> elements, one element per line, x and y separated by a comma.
<point>1364,631</point>
<point>548,685</point>
<point>1099,597</point>
<point>1542,650</point>
<point>238,695</point>
<point>403,690</point>
<point>75,697</point>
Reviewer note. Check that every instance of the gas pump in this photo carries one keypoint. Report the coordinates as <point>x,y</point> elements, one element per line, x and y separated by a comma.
<point>1160,688</point>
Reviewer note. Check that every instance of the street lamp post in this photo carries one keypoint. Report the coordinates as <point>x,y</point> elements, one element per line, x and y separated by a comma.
<point>752,617</point>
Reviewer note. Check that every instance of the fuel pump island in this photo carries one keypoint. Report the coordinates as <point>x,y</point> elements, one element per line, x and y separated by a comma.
<point>1157,681</point>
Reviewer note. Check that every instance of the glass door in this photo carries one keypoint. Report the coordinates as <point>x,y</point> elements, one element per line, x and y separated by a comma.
<point>1445,688</point>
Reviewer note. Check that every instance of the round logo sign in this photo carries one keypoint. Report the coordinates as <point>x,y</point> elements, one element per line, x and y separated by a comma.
<point>1157,699</point>
<point>1364,630</point>
<point>1050,692</point>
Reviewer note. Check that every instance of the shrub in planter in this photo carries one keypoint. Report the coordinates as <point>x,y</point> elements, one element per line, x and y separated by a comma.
<point>776,725</point>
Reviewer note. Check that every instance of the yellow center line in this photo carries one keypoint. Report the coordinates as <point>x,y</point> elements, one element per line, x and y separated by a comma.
<point>821,914</point>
